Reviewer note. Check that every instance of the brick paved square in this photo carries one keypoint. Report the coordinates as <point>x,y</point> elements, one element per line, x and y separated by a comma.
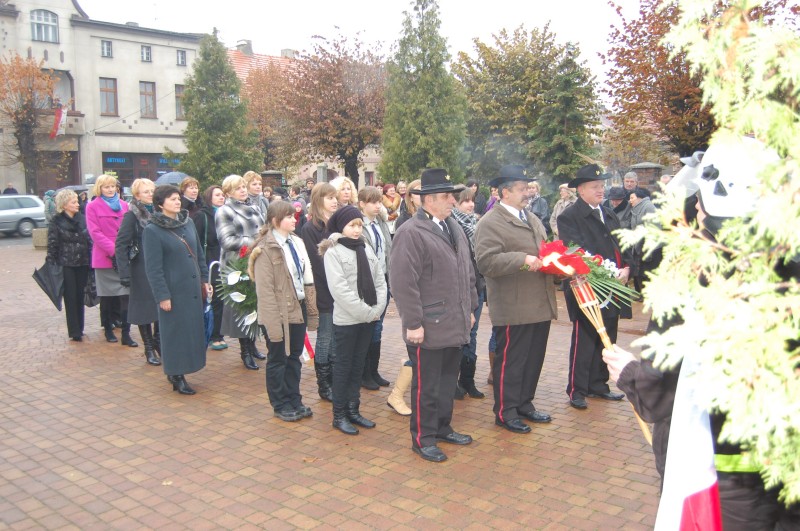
<point>92,437</point>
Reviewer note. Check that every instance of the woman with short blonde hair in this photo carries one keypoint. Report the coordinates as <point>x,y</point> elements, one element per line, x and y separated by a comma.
<point>346,191</point>
<point>237,223</point>
<point>103,218</point>
<point>142,306</point>
<point>255,191</point>
<point>68,245</point>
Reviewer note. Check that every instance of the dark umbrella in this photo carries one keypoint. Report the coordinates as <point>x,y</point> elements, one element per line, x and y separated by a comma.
<point>50,278</point>
<point>173,177</point>
<point>77,188</point>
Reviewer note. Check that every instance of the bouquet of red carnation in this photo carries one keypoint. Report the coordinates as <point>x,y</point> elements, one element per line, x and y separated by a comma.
<point>558,260</point>
<point>600,273</point>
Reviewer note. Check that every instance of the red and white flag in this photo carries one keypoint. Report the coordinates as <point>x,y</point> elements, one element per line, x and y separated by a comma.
<point>59,122</point>
<point>690,499</point>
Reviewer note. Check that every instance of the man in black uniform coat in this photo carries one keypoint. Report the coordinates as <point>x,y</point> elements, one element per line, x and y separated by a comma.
<point>588,224</point>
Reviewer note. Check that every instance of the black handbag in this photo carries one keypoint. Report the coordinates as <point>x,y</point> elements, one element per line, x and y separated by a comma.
<point>133,251</point>
<point>90,298</point>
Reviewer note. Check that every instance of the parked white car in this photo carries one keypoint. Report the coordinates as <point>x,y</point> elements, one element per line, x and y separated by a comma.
<point>21,214</point>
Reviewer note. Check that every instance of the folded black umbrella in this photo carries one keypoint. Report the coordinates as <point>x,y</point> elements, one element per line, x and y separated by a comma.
<point>50,278</point>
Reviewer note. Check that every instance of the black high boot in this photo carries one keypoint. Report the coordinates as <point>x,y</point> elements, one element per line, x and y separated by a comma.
<point>126,332</point>
<point>341,423</point>
<point>180,384</point>
<point>367,381</point>
<point>323,370</point>
<point>375,351</point>
<point>106,319</point>
<point>466,379</point>
<point>254,351</point>
<point>157,338</point>
<point>247,357</point>
<point>147,338</point>
<point>355,417</point>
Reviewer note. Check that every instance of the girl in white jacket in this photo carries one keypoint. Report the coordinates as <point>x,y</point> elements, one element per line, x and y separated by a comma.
<point>358,287</point>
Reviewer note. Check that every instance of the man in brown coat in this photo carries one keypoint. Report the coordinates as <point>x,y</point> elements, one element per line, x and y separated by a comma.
<point>433,283</point>
<point>522,301</point>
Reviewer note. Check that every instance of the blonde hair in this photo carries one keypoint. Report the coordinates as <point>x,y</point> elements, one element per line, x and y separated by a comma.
<point>102,181</point>
<point>251,176</point>
<point>138,184</point>
<point>410,206</point>
<point>231,183</point>
<point>62,198</point>
<point>340,182</point>
<point>316,205</point>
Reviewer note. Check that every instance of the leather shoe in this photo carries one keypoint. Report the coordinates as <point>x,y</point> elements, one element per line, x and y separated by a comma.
<point>535,416</point>
<point>289,415</point>
<point>430,453</point>
<point>608,395</point>
<point>514,425</point>
<point>578,403</point>
<point>455,438</point>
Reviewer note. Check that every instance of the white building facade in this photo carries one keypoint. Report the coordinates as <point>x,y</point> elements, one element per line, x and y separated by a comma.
<point>123,86</point>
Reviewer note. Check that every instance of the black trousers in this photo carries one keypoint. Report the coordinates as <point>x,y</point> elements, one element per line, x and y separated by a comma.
<point>588,372</point>
<point>432,388</point>
<point>74,283</point>
<point>517,366</point>
<point>351,345</point>
<point>283,370</point>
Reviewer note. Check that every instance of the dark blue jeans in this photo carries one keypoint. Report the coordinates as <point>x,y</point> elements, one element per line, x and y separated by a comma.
<point>470,350</point>
<point>323,350</point>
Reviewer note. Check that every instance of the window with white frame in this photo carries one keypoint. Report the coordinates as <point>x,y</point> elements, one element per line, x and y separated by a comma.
<point>180,111</point>
<point>147,54</point>
<point>44,25</point>
<point>181,57</point>
<point>147,99</point>
<point>108,97</point>
<point>106,49</point>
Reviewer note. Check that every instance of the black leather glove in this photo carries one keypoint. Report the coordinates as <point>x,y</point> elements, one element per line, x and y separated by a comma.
<point>126,282</point>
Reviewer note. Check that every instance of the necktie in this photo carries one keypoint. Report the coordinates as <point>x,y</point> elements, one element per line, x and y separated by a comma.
<point>523,218</point>
<point>296,259</point>
<point>596,213</point>
<point>377,238</point>
<point>447,232</point>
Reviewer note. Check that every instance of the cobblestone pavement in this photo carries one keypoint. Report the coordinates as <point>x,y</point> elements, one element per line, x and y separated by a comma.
<point>93,438</point>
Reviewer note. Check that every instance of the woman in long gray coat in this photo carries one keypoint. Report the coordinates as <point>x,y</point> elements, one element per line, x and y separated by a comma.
<point>142,307</point>
<point>237,223</point>
<point>178,276</point>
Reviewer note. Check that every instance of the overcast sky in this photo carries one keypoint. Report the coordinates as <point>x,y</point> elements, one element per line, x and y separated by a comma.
<point>273,26</point>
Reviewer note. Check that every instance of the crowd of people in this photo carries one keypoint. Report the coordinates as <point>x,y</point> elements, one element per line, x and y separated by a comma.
<point>441,251</point>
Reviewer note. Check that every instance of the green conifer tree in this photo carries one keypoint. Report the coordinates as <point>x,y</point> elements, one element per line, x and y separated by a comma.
<point>425,108</point>
<point>567,120</point>
<point>219,139</point>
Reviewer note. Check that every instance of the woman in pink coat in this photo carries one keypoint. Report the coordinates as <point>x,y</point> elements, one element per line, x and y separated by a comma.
<point>103,218</point>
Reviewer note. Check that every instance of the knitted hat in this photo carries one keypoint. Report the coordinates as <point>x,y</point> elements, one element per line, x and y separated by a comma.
<point>342,217</point>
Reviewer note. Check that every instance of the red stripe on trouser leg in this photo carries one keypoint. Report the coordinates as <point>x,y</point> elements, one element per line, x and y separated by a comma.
<point>503,375</point>
<point>574,360</point>
<point>419,394</point>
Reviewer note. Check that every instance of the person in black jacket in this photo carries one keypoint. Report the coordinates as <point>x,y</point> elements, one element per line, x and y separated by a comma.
<point>590,226</point>
<point>142,307</point>
<point>322,206</point>
<point>68,245</point>
<point>203,219</point>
